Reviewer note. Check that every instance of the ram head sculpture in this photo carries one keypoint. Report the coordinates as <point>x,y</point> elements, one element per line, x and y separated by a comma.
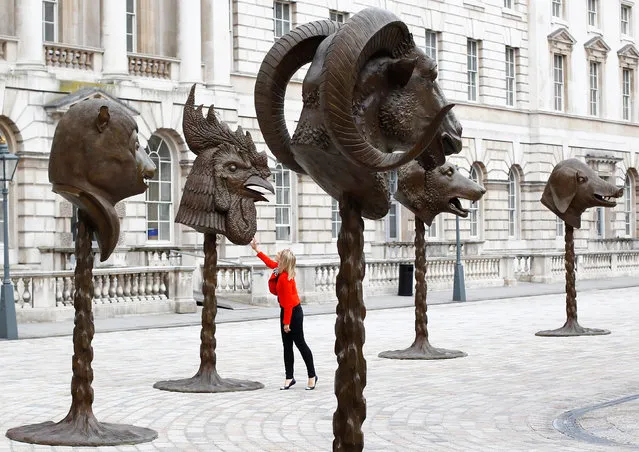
<point>371,103</point>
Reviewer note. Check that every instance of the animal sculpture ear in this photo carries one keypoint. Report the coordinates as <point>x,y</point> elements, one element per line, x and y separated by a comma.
<point>103,118</point>
<point>401,70</point>
<point>563,187</point>
<point>431,159</point>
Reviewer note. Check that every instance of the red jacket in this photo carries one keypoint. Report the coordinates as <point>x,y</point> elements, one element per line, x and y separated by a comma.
<point>284,288</point>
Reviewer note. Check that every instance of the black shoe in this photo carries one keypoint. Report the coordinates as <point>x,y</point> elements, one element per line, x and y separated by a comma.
<point>310,388</point>
<point>288,385</point>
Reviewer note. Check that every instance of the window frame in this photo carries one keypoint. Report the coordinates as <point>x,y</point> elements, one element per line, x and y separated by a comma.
<point>55,22</point>
<point>472,68</point>
<point>335,16</point>
<point>431,50</point>
<point>283,192</point>
<point>594,88</point>
<point>628,190</point>
<point>559,227</point>
<point>289,22</point>
<point>557,5</point>
<point>627,22</point>
<point>513,202</point>
<point>394,215</point>
<point>336,219</point>
<point>474,207</point>
<point>627,93</point>
<point>134,27</point>
<point>511,76</point>
<point>559,83</point>
<point>508,4</point>
<point>592,9</point>
<point>159,164</point>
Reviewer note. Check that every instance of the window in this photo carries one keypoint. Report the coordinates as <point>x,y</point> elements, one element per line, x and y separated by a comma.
<point>282,18</point>
<point>50,20</point>
<point>627,205</point>
<point>431,231</point>
<point>599,222</point>
<point>471,53</point>
<point>625,19</point>
<point>392,219</point>
<point>159,198</point>
<point>593,9</point>
<point>508,4</point>
<point>557,8</point>
<point>282,203</point>
<point>510,76</point>
<point>473,209</point>
<point>559,227</point>
<point>338,16</point>
<point>336,219</point>
<point>627,94</point>
<point>131,26</point>
<point>431,44</point>
<point>558,77</point>
<point>512,203</point>
<point>594,88</point>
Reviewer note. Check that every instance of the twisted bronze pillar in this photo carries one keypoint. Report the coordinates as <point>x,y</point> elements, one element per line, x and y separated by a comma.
<point>80,427</point>
<point>571,327</point>
<point>207,379</point>
<point>350,377</point>
<point>421,348</point>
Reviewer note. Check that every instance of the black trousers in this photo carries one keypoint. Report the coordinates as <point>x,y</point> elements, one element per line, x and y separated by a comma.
<point>296,335</point>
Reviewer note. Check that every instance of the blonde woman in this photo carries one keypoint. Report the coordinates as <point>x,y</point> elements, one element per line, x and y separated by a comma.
<point>282,284</point>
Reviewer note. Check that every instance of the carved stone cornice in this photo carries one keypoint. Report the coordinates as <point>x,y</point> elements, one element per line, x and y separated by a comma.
<point>597,49</point>
<point>628,56</point>
<point>560,41</point>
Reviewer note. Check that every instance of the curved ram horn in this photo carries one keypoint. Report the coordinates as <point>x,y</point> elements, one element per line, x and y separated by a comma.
<point>368,33</point>
<point>288,54</point>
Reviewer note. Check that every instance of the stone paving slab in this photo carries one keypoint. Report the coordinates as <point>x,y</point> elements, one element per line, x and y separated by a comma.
<point>504,396</point>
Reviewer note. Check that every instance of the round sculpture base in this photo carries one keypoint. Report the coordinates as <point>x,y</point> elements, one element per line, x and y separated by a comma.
<point>423,352</point>
<point>92,433</point>
<point>203,384</point>
<point>573,329</point>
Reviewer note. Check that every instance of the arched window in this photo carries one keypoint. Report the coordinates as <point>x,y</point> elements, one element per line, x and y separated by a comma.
<point>282,203</point>
<point>627,204</point>
<point>392,218</point>
<point>513,201</point>
<point>159,195</point>
<point>473,209</point>
<point>336,219</point>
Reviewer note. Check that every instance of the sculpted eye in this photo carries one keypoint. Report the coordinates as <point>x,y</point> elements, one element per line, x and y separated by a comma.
<point>232,167</point>
<point>581,179</point>
<point>449,172</point>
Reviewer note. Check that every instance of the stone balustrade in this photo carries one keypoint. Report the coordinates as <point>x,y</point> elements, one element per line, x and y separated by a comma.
<point>153,66</point>
<point>72,57</point>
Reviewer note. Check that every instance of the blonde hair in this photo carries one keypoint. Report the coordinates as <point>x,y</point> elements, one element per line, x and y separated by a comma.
<point>286,263</point>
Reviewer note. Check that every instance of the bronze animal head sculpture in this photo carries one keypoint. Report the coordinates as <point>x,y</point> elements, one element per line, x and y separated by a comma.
<point>96,161</point>
<point>227,177</point>
<point>428,193</point>
<point>371,104</point>
<point>573,187</point>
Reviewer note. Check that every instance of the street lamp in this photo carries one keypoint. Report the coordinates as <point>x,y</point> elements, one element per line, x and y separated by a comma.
<point>8,323</point>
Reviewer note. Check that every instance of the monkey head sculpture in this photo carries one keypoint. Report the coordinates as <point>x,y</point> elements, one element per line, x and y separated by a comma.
<point>227,177</point>
<point>371,104</point>
<point>96,160</point>
<point>573,187</point>
<point>429,192</point>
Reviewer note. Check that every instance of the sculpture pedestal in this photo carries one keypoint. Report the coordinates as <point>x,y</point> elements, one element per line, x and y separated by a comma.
<point>422,351</point>
<point>572,328</point>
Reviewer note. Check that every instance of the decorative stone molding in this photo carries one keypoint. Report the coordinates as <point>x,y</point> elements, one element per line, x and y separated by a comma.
<point>560,41</point>
<point>604,164</point>
<point>628,56</point>
<point>597,49</point>
<point>60,106</point>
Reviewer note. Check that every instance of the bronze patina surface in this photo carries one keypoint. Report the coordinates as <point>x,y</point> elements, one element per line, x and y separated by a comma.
<point>572,188</point>
<point>227,177</point>
<point>428,193</point>
<point>95,162</point>
<point>371,104</point>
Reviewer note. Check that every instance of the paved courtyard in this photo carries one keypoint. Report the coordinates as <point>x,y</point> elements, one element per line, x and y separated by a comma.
<point>504,396</point>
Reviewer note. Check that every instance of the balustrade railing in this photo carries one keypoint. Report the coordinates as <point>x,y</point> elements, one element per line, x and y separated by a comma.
<point>70,57</point>
<point>150,66</point>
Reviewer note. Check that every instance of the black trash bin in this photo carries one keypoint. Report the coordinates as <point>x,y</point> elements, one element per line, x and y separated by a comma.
<point>405,280</point>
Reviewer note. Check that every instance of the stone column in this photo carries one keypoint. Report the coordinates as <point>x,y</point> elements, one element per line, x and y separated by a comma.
<point>190,41</point>
<point>216,42</point>
<point>29,31</point>
<point>115,60</point>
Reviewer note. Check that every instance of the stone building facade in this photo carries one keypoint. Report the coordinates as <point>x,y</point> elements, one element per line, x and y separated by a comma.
<point>534,82</point>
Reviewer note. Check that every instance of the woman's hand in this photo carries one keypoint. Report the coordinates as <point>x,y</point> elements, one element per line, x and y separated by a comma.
<point>254,244</point>
<point>287,328</point>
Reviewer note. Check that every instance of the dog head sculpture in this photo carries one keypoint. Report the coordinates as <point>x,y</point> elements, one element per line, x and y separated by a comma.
<point>96,161</point>
<point>429,192</point>
<point>573,187</point>
<point>227,178</point>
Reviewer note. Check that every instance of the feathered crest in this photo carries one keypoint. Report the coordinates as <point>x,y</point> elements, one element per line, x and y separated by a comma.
<point>204,133</point>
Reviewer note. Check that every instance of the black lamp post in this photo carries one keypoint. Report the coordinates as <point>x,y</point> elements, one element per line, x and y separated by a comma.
<point>8,323</point>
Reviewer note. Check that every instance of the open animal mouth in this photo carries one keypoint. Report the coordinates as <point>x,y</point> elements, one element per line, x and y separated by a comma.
<point>605,201</point>
<point>255,187</point>
<point>455,207</point>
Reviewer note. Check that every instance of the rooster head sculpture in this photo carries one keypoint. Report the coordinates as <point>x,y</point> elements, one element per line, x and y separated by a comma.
<point>227,178</point>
